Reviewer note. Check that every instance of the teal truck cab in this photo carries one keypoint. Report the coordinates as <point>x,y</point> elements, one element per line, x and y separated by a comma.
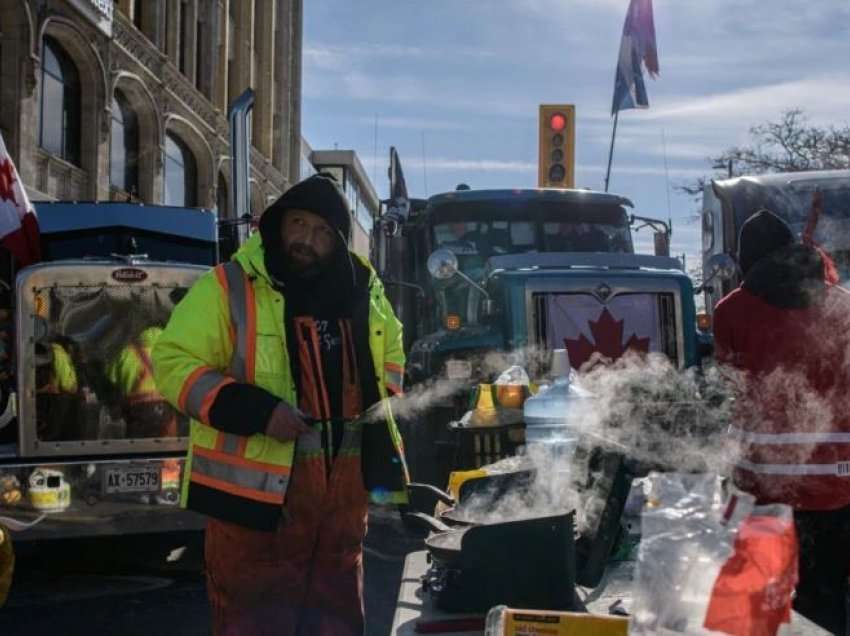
<point>484,279</point>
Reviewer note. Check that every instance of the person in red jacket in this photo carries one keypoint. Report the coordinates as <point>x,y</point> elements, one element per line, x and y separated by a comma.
<point>785,333</point>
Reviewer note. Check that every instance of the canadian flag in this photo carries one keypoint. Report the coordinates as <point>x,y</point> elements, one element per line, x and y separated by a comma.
<point>18,223</point>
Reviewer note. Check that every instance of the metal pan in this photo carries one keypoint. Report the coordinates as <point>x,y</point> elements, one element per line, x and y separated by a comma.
<point>444,544</point>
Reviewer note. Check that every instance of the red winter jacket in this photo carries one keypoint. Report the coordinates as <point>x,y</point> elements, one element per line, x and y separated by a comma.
<point>789,333</point>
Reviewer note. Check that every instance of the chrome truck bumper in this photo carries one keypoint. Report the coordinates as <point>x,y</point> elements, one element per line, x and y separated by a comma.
<point>105,497</point>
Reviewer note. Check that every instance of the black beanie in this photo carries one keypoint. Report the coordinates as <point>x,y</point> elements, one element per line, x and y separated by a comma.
<point>761,235</point>
<point>319,194</point>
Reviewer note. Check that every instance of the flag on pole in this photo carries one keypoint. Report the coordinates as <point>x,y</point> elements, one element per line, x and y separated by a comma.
<point>398,188</point>
<point>19,231</point>
<point>637,48</point>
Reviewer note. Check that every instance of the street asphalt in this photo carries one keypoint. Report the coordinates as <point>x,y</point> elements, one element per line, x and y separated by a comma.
<point>127,587</point>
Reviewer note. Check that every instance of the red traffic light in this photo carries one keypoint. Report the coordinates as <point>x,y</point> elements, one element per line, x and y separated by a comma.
<point>557,122</point>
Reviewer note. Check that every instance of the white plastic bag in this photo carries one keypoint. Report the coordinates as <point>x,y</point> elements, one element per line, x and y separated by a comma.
<point>514,375</point>
<point>688,531</point>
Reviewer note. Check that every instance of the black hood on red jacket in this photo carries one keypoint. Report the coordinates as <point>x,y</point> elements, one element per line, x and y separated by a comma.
<point>776,269</point>
<point>761,235</point>
<point>789,278</point>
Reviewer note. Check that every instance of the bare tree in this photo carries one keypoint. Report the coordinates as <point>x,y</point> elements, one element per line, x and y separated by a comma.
<point>790,144</point>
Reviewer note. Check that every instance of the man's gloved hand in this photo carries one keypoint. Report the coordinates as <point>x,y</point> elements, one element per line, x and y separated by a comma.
<point>286,423</point>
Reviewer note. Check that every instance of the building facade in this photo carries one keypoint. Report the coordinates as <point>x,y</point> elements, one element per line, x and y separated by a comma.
<point>128,99</point>
<point>363,200</point>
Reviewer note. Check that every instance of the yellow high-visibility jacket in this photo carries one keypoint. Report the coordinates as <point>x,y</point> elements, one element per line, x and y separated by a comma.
<point>230,328</point>
<point>130,372</point>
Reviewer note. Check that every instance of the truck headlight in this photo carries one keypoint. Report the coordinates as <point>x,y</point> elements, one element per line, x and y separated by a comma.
<point>458,369</point>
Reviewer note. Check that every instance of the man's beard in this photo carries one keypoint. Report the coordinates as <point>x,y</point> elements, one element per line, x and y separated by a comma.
<point>304,262</point>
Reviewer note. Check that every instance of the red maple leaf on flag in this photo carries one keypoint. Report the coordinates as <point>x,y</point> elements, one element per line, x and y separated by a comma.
<point>607,341</point>
<point>7,181</point>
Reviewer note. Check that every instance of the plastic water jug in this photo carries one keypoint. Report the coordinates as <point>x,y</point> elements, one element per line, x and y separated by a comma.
<point>556,415</point>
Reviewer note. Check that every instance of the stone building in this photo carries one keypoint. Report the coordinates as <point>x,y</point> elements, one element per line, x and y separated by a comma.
<point>108,100</point>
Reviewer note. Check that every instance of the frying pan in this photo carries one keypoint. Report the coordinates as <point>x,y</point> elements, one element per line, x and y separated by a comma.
<point>424,497</point>
<point>444,544</point>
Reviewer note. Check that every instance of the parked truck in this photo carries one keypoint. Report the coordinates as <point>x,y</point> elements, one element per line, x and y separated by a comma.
<point>84,436</point>
<point>88,446</point>
<point>483,278</point>
<point>727,203</point>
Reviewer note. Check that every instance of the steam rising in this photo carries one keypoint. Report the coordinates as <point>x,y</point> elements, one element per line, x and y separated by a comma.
<point>657,416</point>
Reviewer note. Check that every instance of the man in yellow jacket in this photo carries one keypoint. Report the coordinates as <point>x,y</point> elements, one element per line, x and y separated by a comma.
<point>275,356</point>
<point>131,374</point>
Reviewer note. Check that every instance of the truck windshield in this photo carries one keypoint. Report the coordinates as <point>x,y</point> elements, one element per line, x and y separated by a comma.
<point>485,229</point>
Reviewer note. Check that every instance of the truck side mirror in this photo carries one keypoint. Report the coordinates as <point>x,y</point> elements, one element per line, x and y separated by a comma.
<point>720,266</point>
<point>442,264</point>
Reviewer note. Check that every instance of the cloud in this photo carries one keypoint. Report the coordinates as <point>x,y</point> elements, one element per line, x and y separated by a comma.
<point>330,56</point>
<point>757,103</point>
<point>412,123</point>
<point>443,164</point>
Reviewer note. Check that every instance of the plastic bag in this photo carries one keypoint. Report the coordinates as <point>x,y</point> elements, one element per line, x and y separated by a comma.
<point>515,375</point>
<point>752,595</point>
<point>688,533</point>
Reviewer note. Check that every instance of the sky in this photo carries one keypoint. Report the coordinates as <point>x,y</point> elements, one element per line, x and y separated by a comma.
<point>455,86</point>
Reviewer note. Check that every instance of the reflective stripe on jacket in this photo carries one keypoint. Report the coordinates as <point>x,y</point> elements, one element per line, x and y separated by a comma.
<point>792,417</point>
<point>229,328</point>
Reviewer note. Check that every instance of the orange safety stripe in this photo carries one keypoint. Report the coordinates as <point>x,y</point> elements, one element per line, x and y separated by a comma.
<point>210,397</point>
<point>243,444</point>
<point>147,367</point>
<point>352,401</point>
<point>188,384</point>
<point>320,376</point>
<point>251,336</point>
<point>239,491</point>
<point>241,462</point>
<point>392,366</point>
<point>222,280</point>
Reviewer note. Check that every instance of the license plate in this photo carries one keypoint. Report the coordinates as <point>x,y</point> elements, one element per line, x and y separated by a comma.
<point>120,480</point>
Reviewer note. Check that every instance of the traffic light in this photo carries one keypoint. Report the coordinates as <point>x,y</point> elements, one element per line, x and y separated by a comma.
<point>556,163</point>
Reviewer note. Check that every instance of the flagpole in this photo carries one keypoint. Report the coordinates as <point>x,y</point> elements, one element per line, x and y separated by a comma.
<point>611,151</point>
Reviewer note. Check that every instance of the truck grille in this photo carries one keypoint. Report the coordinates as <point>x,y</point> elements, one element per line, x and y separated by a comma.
<point>585,325</point>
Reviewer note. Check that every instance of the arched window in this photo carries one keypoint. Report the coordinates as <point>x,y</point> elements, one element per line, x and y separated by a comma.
<point>124,147</point>
<point>221,200</point>
<point>181,174</point>
<point>60,103</point>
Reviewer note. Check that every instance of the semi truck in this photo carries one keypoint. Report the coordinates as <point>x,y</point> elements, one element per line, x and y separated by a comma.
<point>727,203</point>
<point>483,279</point>
<point>88,447</point>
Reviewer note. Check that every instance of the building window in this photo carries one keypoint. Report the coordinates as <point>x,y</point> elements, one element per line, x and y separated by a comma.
<point>60,103</point>
<point>138,20</point>
<point>181,175</point>
<point>221,200</point>
<point>124,146</point>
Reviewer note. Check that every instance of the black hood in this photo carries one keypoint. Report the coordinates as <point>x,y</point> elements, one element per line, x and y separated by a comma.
<point>789,278</point>
<point>330,292</point>
<point>319,194</point>
<point>761,235</point>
